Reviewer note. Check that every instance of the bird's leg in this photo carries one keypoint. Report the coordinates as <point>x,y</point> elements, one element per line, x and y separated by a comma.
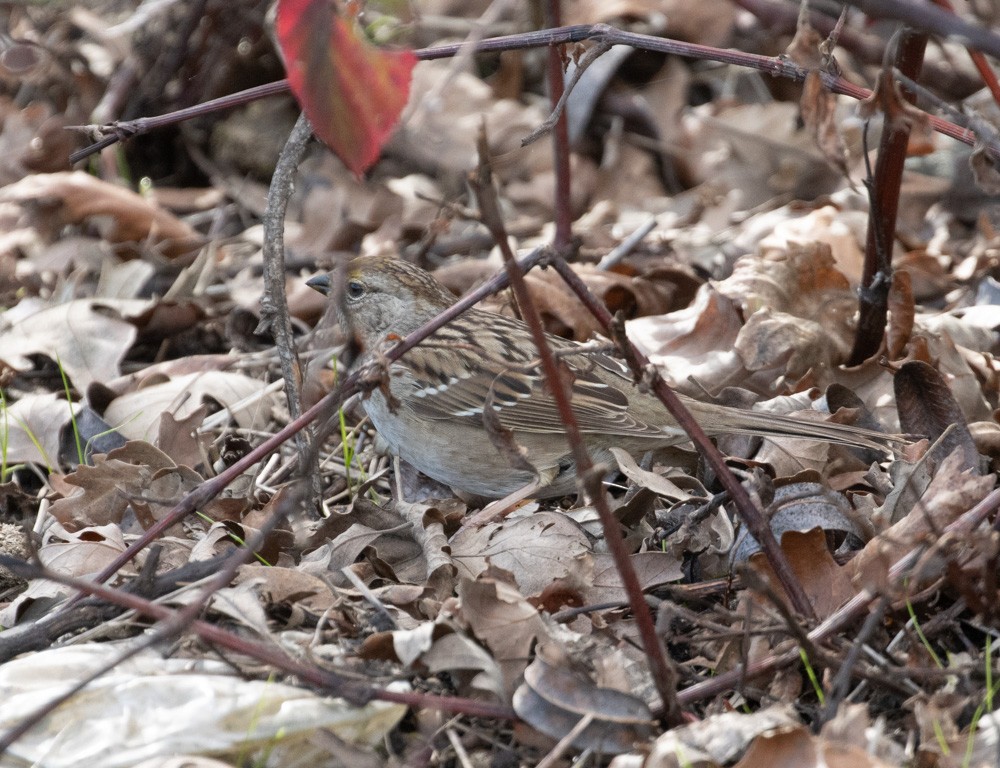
<point>499,509</point>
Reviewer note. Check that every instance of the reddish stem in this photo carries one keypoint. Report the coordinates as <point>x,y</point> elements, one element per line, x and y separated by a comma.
<point>560,144</point>
<point>876,279</point>
<point>776,66</point>
<point>663,675</point>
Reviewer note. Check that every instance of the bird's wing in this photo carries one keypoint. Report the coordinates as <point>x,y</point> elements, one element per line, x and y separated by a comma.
<point>444,389</point>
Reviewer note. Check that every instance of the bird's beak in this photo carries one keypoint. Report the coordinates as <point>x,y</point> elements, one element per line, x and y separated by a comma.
<point>320,283</point>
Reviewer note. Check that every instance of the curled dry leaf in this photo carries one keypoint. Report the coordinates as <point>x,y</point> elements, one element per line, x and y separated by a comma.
<point>800,507</point>
<point>405,539</point>
<point>901,314</point>
<point>718,739</point>
<point>503,620</point>
<point>801,285</point>
<point>455,651</point>
<point>693,343</point>
<point>123,216</point>
<point>659,484</point>
<point>843,231</point>
<point>652,568</point>
<point>136,476</point>
<point>797,746</point>
<point>554,700</point>
<point>927,408</point>
<point>952,491</point>
<point>427,526</point>
<point>83,552</point>
<point>799,313</point>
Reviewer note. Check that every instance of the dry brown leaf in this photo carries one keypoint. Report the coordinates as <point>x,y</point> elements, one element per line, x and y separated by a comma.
<point>138,414</point>
<point>537,550</point>
<point>158,372</point>
<point>693,343</point>
<point>765,154</point>
<point>137,476</point>
<point>901,314</point>
<point>123,216</point>
<point>86,337</point>
<point>801,279</point>
<point>84,552</point>
<point>718,739</point>
<point>453,652</point>
<point>843,231</point>
<point>653,569</point>
<point>818,104</point>
<point>502,619</point>
<point>826,584</point>
<point>951,492</point>
<point>427,526</point>
<point>178,438</point>
<point>555,699</point>
<point>660,484</point>
<point>797,748</point>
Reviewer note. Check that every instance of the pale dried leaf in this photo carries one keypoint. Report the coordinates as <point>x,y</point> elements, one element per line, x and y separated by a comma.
<point>537,550</point>
<point>652,568</point>
<point>504,621</point>
<point>137,415</point>
<point>456,652</point>
<point>202,706</point>
<point>30,428</point>
<point>718,739</point>
<point>657,483</point>
<point>87,338</point>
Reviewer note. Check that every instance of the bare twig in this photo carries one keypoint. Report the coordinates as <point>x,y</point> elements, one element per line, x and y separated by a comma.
<point>845,615</point>
<point>559,104</point>
<point>663,674</point>
<point>350,689</point>
<point>883,193</point>
<point>274,304</point>
<point>775,66</point>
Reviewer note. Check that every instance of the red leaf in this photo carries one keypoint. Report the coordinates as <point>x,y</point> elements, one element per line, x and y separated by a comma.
<point>351,91</point>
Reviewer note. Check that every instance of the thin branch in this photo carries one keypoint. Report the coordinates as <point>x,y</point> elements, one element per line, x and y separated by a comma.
<point>883,193</point>
<point>664,676</point>
<point>274,303</point>
<point>352,690</point>
<point>847,614</point>
<point>560,143</point>
<point>775,66</point>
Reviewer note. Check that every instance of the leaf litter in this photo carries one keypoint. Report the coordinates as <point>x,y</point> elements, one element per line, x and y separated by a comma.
<point>143,306</point>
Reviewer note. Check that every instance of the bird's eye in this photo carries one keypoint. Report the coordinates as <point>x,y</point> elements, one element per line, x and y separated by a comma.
<point>355,290</point>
